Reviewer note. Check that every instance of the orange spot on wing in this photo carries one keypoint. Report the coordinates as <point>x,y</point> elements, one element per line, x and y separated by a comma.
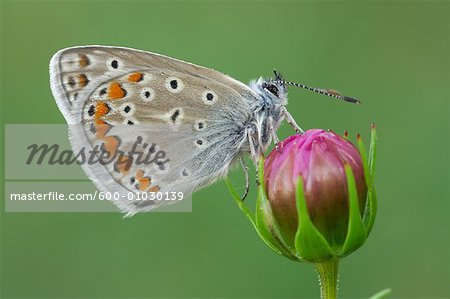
<point>100,122</point>
<point>144,183</point>
<point>84,60</point>
<point>124,164</point>
<point>154,189</point>
<point>82,80</point>
<point>101,109</point>
<point>139,174</point>
<point>115,91</point>
<point>111,144</point>
<point>135,77</point>
<point>101,128</point>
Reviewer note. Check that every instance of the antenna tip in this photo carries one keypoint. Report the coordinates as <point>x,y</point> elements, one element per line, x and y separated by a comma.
<point>351,100</point>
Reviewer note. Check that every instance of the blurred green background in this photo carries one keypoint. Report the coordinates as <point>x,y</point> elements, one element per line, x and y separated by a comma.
<point>394,56</point>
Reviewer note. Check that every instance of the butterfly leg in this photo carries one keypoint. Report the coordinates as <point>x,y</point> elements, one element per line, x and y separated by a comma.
<point>274,137</point>
<point>251,144</point>
<point>255,157</point>
<point>292,121</point>
<point>247,181</point>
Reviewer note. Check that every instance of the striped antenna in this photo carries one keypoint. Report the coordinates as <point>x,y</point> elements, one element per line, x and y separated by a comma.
<point>328,92</point>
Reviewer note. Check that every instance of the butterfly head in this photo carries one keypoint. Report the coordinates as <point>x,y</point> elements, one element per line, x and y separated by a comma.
<point>272,90</point>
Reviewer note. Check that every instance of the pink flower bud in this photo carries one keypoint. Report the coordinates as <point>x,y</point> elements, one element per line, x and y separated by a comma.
<point>319,158</point>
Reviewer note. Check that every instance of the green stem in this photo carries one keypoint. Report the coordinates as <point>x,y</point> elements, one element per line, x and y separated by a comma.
<point>328,278</point>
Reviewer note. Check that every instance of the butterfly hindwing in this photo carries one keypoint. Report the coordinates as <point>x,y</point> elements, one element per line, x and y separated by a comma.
<point>123,98</point>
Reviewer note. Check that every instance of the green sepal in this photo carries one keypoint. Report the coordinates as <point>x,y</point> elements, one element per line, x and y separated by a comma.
<point>267,228</point>
<point>356,232</point>
<point>372,204</point>
<point>362,152</point>
<point>368,209</point>
<point>371,210</point>
<point>266,224</point>
<point>310,244</point>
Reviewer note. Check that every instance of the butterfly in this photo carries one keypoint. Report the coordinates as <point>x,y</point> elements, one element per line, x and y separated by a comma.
<point>193,123</point>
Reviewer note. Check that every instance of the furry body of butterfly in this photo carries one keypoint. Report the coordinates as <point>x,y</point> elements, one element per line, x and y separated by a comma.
<point>112,93</point>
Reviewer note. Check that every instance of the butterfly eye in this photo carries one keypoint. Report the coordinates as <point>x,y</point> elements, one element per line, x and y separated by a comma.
<point>271,88</point>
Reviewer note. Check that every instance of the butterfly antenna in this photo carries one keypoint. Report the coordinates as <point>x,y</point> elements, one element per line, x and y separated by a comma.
<point>278,76</point>
<point>328,92</point>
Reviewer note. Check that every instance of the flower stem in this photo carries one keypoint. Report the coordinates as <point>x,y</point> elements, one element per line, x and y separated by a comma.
<point>328,278</point>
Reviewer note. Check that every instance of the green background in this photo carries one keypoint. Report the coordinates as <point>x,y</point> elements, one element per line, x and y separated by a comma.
<point>394,56</point>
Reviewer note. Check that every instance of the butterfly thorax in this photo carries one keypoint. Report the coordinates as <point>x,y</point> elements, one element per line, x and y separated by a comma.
<point>268,112</point>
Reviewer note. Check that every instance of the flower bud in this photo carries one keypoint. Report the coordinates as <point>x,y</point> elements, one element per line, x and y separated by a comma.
<point>316,202</point>
<point>319,157</point>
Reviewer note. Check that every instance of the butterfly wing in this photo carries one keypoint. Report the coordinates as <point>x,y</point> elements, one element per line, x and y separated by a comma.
<point>185,119</point>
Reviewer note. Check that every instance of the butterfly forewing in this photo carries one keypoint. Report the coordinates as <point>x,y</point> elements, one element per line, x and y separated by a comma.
<point>123,98</point>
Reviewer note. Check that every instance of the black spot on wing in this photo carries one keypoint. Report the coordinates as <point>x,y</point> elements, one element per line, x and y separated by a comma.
<point>175,115</point>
